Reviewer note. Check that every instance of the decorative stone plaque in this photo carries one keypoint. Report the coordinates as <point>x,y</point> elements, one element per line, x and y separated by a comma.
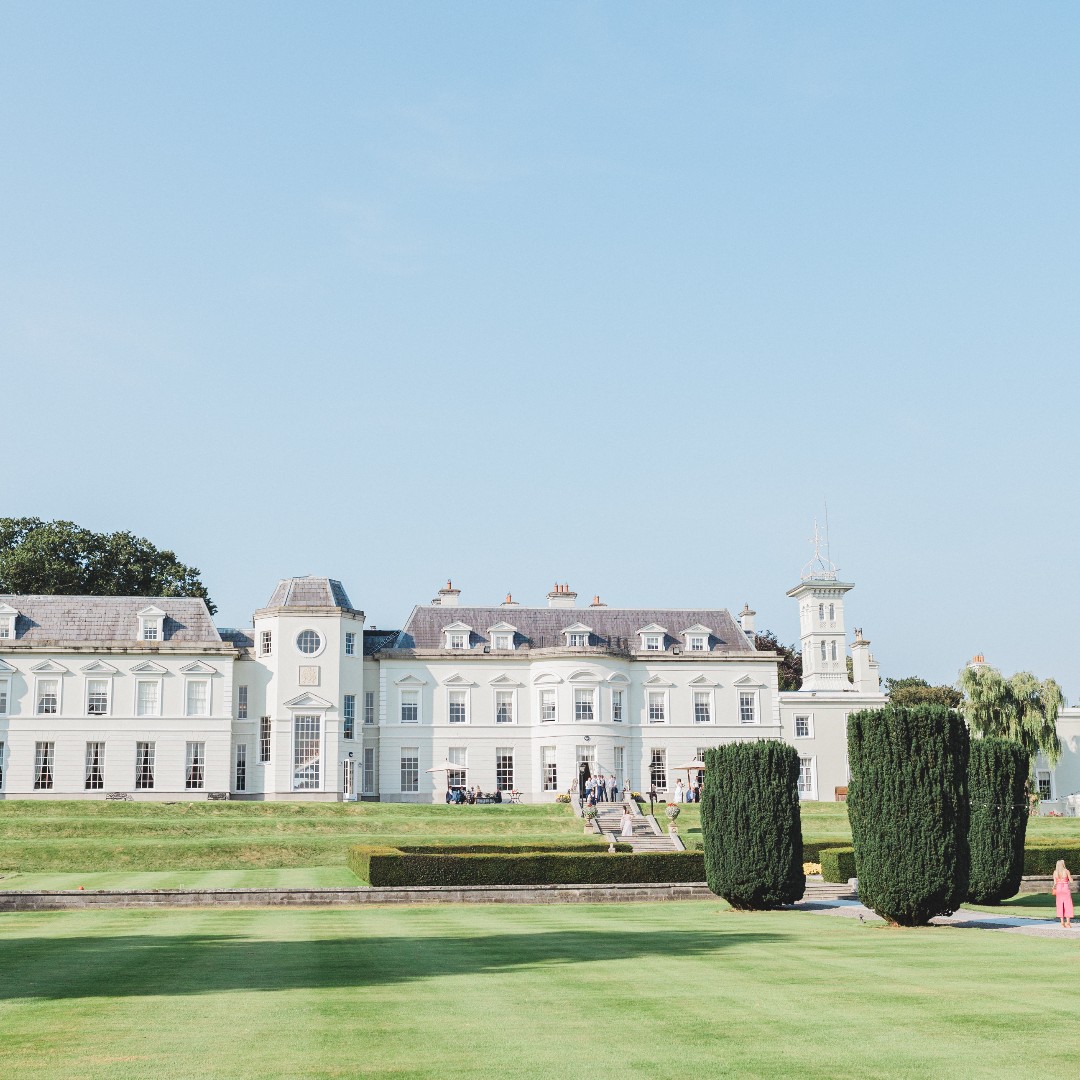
<point>309,675</point>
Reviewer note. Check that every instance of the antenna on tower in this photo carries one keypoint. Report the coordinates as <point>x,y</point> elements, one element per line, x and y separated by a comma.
<point>828,547</point>
<point>820,567</point>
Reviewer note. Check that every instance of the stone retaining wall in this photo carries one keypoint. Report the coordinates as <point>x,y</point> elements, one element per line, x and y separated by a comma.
<point>14,900</point>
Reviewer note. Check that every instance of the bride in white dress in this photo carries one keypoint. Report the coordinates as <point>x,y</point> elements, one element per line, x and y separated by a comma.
<point>627,822</point>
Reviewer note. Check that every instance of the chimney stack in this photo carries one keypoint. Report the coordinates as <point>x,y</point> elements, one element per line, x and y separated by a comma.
<point>746,619</point>
<point>561,597</point>
<point>448,597</point>
<point>596,602</point>
<point>509,602</point>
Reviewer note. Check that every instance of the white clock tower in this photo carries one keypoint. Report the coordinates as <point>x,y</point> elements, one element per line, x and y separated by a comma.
<point>820,594</point>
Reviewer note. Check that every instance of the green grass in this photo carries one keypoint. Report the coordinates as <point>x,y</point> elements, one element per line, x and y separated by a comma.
<point>1031,905</point>
<point>318,877</point>
<point>522,992</point>
<point>825,821</point>
<point>114,836</point>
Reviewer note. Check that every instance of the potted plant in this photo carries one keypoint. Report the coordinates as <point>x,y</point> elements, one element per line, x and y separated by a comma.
<point>673,810</point>
<point>589,814</point>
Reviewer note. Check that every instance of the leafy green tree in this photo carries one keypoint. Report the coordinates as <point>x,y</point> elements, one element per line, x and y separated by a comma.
<point>751,825</point>
<point>916,691</point>
<point>60,558</point>
<point>997,783</point>
<point>1020,708</point>
<point>790,659</point>
<point>908,806</point>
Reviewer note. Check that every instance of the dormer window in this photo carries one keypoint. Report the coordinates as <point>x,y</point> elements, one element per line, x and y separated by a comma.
<point>8,615</point>
<point>578,636</point>
<point>501,636</point>
<point>457,636</point>
<point>152,624</point>
<point>697,638</point>
<point>653,638</point>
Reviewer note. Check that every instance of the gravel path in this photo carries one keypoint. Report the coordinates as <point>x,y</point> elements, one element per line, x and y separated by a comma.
<point>962,919</point>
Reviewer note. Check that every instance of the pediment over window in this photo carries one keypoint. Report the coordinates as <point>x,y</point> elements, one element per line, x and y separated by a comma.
<point>152,612</point>
<point>502,628</point>
<point>701,682</point>
<point>98,667</point>
<point>6,668</point>
<point>309,701</point>
<point>197,667</point>
<point>578,628</point>
<point>584,676</point>
<point>148,667</point>
<point>657,681</point>
<point>653,628</point>
<point>547,678</point>
<point>49,667</point>
<point>618,677</point>
<point>6,610</point>
<point>748,682</point>
<point>409,681</point>
<point>458,681</point>
<point>697,630</point>
<point>458,628</point>
<point>504,682</point>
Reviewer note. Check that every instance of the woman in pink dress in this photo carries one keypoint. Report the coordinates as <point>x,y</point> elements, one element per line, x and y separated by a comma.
<point>1063,894</point>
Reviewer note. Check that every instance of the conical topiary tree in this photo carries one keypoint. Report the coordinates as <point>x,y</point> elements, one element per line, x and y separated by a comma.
<point>908,805</point>
<point>997,781</point>
<point>751,826</point>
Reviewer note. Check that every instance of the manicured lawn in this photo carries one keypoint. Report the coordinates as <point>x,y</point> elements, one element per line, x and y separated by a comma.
<point>523,992</point>
<point>102,836</point>
<point>1034,905</point>
<point>317,877</point>
<point>828,822</point>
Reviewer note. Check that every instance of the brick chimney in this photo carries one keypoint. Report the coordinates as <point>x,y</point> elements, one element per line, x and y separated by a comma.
<point>561,597</point>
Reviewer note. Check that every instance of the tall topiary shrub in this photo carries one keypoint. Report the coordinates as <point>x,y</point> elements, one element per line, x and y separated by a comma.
<point>751,826</point>
<point>997,779</point>
<point>908,805</point>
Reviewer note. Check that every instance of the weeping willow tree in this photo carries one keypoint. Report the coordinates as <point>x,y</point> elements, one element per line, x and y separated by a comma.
<point>1020,708</point>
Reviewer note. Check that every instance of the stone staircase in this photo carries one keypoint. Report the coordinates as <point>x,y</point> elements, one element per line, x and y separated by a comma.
<point>648,836</point>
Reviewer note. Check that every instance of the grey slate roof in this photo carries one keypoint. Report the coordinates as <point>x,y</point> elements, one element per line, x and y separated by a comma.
<point>310,592</point>
<point>108,620</point>
<point>543,627</point>
<point>240,639</point>
<point>374,640</point>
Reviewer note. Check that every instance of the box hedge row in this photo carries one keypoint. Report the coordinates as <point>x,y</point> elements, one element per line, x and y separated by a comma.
<point>837,864</point>
<point>388,867</point>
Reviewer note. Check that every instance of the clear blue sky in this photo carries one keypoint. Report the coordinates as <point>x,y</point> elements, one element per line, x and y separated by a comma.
<point>617,294</point>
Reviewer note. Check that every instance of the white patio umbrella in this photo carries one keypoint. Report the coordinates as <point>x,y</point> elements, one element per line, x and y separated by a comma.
<point>689,767</point>
<point>447,767</point>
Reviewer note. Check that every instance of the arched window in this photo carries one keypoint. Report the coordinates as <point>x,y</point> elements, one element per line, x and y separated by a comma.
<point>832,612</point>
<point>823,650</point>
<point>834,650</point>
<point>821,612</point>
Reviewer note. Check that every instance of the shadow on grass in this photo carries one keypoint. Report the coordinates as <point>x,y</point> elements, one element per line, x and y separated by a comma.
<point>137,965</point>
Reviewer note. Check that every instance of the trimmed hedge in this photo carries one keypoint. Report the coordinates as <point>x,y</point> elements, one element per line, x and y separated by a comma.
<point>997,781</point>
<point>587,847</point>
<point>837,864</point>
<point>751,825</point>
<point>1040,859</point>
<point>909,809</point>
<point>388,867</point>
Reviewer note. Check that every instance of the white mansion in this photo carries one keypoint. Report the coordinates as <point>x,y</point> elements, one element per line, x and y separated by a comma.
<point>145,697</point>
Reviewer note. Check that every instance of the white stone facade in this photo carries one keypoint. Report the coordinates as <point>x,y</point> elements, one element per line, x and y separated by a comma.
<point>146,698</point>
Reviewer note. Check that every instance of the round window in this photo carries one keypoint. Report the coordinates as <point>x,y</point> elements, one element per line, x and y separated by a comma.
<point>308,642</point>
